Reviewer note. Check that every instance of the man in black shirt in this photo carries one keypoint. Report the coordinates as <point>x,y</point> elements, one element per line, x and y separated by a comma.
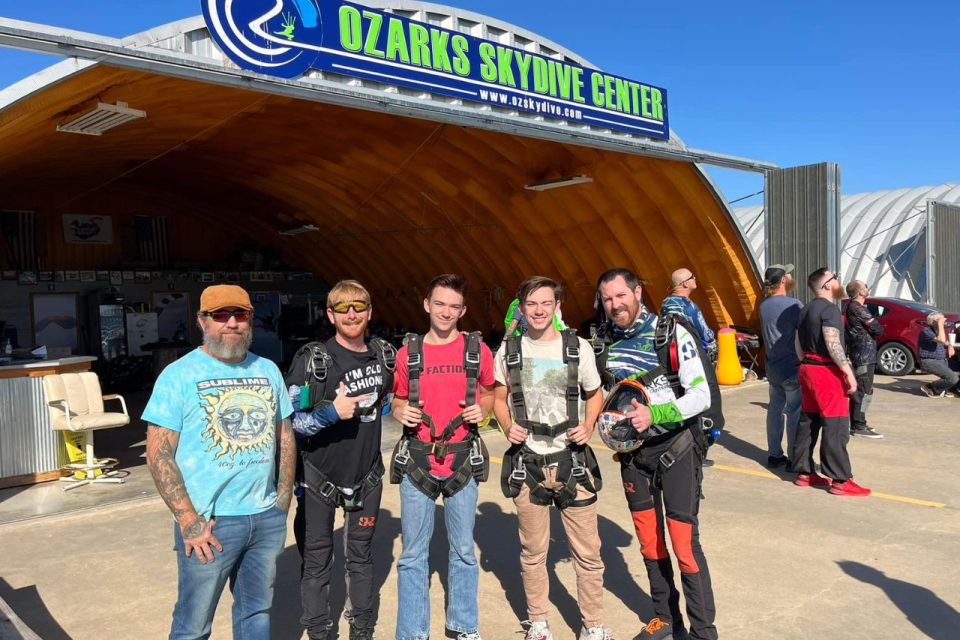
<point>826,379</point>
<point>340,387</point>
<point>862,330</point>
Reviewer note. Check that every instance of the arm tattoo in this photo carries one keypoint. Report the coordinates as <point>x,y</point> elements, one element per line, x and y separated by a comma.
<point>287,465</point>
<point>831,336</point>
<point>161,452</point>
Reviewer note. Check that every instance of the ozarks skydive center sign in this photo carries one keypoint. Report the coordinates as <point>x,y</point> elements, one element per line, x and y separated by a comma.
<point>285,38</point>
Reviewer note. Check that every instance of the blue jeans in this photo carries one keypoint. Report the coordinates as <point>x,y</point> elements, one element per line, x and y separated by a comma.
<point>251,545</point>
<point>413,577</point>
<point>783,412</point>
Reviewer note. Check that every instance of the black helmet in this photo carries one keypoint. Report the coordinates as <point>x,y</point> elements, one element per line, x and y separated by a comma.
<point>616,429</point>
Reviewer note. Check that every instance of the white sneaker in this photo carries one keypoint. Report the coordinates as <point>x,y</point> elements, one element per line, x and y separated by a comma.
<point>599,632</point>
<point>538,630</point>
<point>473,635</point>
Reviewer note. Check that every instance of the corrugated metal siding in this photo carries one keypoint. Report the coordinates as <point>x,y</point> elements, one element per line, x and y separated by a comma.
<point>944,266</point>
<point>803,219</point>
<point>876,229</point>
<point>27,443</point>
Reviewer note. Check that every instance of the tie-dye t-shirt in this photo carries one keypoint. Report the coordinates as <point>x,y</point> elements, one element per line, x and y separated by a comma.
<point>227,417</point>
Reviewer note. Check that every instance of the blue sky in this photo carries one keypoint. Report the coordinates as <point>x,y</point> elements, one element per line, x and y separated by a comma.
<point>872,86</point>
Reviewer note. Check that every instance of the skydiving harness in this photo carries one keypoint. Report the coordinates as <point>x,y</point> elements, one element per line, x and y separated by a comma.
<point>350,498</point>
<point>696,431</point>
<point>310,366</point>
<point>576,465</point>
<point>309,370</point>
<point>411,455</point>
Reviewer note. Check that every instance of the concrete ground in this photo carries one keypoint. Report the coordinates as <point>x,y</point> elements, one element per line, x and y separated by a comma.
<point>787,562</point>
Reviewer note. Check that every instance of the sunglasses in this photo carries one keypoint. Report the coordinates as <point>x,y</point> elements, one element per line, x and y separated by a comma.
<point>224,315</point>
<point>689,279</point>
<point>835,276</point>
<point>359,306</point>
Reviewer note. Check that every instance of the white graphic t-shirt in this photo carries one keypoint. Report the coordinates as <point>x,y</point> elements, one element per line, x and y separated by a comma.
<point>544,380</point>
<point>227,417</point>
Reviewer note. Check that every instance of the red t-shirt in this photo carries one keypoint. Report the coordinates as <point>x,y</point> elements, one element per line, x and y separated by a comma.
<point>443,385</point>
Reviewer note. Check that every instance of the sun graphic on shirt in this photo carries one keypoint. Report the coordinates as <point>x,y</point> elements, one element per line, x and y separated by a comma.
<point>239,420</point>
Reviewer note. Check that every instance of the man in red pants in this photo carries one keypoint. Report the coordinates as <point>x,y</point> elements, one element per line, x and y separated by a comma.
<point>826,381</point>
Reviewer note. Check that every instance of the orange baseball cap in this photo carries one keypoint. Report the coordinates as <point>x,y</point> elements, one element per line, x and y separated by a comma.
<point>222,296</point>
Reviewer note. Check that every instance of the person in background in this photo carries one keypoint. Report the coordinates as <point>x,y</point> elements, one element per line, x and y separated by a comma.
<point>682,284</point>
<point>862,331</point>
<point>779,318</point>
<point>935,351</point>
<point>826,379</point>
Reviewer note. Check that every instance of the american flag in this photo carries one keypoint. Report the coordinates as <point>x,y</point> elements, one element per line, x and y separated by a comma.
<point>152,239</point>
<point>19,239</point>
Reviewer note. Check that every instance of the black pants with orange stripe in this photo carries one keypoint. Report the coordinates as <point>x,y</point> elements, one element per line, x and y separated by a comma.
<point>679,499</point>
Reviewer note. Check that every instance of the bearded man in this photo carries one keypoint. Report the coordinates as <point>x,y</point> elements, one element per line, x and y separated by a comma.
<point>215,417</point>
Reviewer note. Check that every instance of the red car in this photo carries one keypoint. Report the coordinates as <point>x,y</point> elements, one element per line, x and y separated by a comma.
<point>902,321</point>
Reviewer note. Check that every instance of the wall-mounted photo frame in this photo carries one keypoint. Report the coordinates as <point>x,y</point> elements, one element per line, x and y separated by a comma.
<point>207,276</point>
<point>59,276</point>
<point>173,314</point>
<point>27,277</point>
<point>54,320</point>
<point>141,277</point>
<point>116,278</point>
<point>261,276</point>
<point>128,275</point>
<point>10,275</point>
<point>88,276</point>
<point>103,276</point>
<point>45,276</point>
<point>71,276</point>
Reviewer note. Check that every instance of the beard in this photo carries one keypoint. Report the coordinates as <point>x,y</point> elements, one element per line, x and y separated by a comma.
<point>837,292</point>
<point>228,345</point>
<point>351,329</point>
<point>628,316</point>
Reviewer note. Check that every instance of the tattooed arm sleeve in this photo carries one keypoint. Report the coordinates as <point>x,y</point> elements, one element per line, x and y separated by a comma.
<point>831,336</point>
<point>287,465</point>
<point>161,460</point>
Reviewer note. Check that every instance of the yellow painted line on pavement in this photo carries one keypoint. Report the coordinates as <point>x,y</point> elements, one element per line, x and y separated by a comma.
<point>766,474</point>
<point>882,496</point>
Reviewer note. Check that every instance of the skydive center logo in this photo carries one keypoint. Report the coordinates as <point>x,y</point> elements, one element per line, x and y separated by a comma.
<point>285,38</point>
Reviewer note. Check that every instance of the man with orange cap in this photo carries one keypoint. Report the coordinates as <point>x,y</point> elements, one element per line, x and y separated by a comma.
<point>215,417</point>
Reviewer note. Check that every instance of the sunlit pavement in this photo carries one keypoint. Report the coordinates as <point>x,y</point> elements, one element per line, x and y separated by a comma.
<point>787,562</point>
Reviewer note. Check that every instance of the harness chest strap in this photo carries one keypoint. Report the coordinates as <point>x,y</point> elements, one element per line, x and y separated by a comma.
<point>471,367</point>
<point>571,357</point>
<point>317,364</point>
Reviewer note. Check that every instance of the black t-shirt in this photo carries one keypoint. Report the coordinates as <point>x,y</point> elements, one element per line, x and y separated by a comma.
<point>346,450</point>
<point>815,316</point>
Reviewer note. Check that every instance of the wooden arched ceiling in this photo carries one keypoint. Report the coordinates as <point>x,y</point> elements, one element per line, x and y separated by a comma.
<point>397,200</point>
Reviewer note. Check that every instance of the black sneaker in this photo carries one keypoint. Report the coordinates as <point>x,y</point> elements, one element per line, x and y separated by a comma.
<point>775,461</point>
<point>361,633</point>
<point>707,462</point>
<point>866,432</point>
<point>656,629</point>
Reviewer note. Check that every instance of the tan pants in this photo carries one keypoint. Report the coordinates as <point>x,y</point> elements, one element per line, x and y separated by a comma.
<point>580,524</point>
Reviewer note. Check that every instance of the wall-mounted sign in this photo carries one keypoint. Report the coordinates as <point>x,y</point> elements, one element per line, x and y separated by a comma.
<point>285,38</point>
<point>83,229</point>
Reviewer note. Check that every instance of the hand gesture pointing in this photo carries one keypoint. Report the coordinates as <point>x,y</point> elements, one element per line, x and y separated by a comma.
<point>345,405</point>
